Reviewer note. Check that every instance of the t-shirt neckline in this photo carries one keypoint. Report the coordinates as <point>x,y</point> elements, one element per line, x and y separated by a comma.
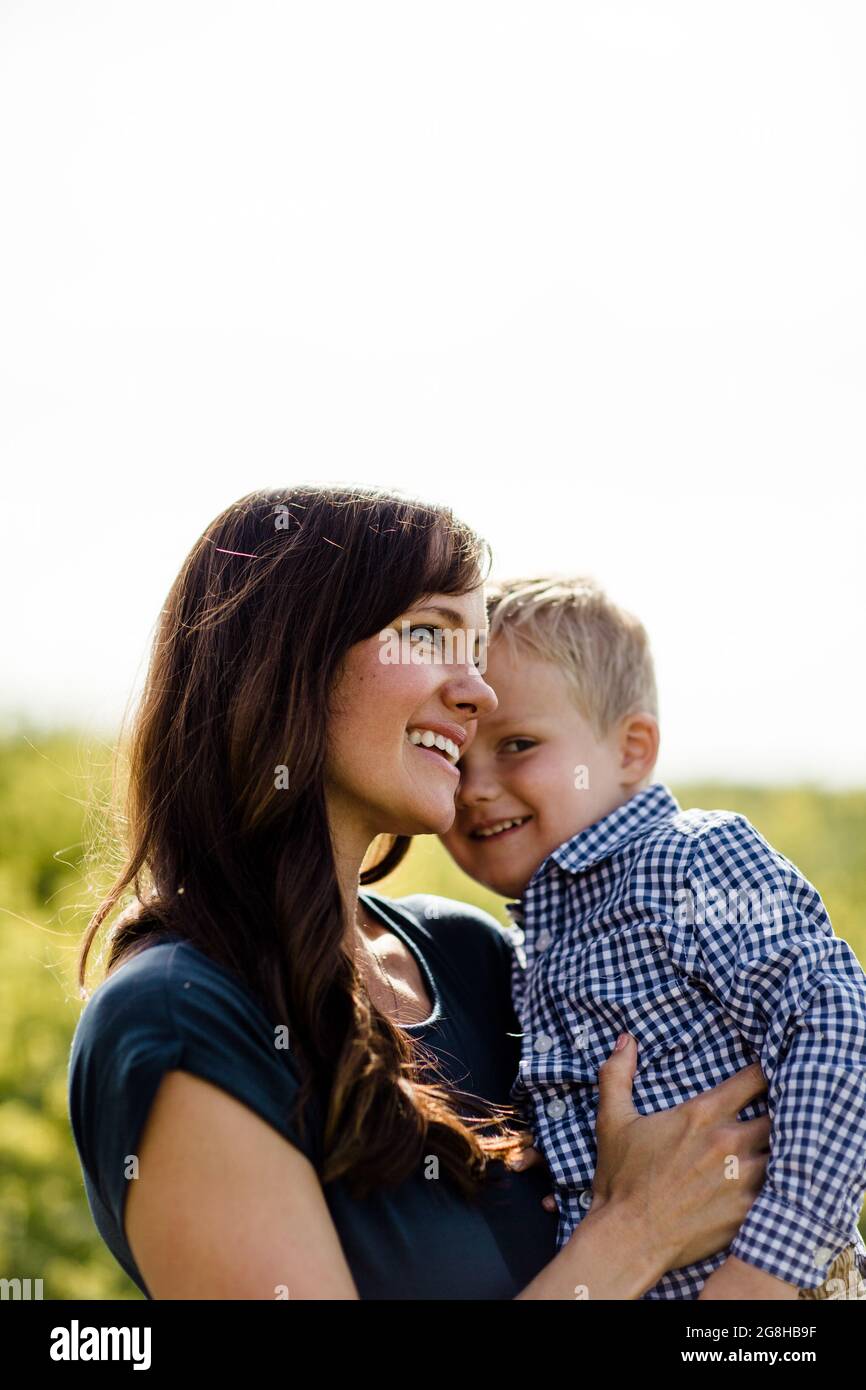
<point>386,915</point>
<point>385,910</point>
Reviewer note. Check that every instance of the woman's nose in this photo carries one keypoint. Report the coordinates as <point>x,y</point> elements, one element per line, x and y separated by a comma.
<point>470,693</point>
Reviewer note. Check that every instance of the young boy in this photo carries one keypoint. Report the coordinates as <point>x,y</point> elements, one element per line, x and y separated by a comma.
<point>684,928</point>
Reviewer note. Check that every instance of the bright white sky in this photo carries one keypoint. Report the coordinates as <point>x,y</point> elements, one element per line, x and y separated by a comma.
<point>593,273</point>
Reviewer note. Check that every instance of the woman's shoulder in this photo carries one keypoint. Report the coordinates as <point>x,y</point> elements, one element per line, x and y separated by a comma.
<point>168,990</point>
<point>170,1007</point>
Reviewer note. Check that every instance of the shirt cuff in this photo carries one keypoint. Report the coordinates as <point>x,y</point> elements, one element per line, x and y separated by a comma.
<point>785,1240</point>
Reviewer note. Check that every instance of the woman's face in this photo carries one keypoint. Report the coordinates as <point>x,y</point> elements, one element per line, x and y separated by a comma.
<point>399,690</point>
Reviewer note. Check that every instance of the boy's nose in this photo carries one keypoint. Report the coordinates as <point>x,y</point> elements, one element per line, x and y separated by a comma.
<point>477,783</point>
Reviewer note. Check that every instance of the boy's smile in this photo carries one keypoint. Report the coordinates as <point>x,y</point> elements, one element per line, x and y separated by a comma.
<point>534,775</point>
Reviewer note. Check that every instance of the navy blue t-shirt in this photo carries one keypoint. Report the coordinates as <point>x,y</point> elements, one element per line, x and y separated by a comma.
<point>171,1007</point>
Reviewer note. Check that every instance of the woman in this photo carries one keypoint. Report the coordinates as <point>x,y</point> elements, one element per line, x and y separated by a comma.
<point>287,1087</point>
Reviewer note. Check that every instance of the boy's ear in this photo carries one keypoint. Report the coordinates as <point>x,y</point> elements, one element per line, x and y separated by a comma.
<point>638,746</point>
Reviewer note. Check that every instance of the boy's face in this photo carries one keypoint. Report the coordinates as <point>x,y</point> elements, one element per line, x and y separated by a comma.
<point>536,761</point>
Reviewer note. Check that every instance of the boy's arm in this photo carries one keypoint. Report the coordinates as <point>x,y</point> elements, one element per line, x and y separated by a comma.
<point>798,995</point>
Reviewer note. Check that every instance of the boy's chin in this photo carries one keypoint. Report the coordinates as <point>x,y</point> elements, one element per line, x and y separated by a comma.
<point>514,889</point>
<point>511,888</point>
<point>506,888</point>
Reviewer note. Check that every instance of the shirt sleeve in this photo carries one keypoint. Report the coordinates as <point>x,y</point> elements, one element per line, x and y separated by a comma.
<point>169,1008</point>
<point>797,993</point>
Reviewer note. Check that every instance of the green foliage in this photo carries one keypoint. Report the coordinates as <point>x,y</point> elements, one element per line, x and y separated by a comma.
<point>53,793</point>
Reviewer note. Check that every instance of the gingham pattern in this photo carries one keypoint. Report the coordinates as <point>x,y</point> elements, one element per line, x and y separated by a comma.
<point>623,928</point>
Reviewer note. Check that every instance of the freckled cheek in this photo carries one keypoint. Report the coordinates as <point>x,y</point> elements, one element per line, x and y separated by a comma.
<point>398,689</point>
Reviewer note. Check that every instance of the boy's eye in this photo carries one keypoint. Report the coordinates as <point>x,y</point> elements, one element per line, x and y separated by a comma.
<point>421,633</point>
<point>512,745</point>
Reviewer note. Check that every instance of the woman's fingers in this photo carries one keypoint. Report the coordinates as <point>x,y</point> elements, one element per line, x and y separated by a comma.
<point>755,1134</point>
<point>527,1159</point>
<point>674,1164</point>
<point>615,1082</point>
<point>729,1097</point>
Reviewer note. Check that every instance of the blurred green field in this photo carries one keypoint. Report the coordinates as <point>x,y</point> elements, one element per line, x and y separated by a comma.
<point>49,786</point>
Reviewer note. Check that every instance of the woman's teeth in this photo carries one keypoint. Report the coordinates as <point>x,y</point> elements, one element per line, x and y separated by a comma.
<point>428,739</point>
<point>498,828</point>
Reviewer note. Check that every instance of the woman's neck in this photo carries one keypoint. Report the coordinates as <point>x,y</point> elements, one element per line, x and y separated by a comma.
<point>350,844</point>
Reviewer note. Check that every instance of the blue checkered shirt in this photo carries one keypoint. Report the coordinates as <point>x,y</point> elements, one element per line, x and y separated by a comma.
<point>689,931</point>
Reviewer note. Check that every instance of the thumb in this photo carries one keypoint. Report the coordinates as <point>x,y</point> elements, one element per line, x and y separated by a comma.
<point>615,1082</point>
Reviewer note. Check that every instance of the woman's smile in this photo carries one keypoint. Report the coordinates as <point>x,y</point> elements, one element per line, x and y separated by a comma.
<point>434,740</point>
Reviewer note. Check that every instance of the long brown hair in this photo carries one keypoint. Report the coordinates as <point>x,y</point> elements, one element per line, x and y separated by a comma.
<point>249,643</point>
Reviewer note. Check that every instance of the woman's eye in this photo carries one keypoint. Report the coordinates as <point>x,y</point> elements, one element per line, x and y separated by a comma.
<point>517,745</point>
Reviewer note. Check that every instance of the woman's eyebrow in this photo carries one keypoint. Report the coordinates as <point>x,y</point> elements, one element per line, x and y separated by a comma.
<point>449,614</point>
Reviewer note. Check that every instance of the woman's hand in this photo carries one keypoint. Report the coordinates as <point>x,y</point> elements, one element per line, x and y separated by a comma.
<point>672,1169</point>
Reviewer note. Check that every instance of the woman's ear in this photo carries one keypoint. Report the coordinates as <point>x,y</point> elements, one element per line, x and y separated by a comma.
<point>638,746</point>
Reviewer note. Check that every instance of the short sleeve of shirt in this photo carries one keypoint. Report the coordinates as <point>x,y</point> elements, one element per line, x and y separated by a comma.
<point>169,1008</point>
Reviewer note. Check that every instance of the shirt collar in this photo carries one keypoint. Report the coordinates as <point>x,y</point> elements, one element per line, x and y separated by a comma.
<point>624,824</point>
<point>600,840</point>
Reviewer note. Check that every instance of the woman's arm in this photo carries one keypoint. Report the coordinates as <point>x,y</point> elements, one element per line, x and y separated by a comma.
<point>606,1257</point>
<point>662,1194</point>
<point>225,1207</point>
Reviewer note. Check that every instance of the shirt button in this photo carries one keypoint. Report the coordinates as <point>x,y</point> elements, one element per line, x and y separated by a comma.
<point>543,940</point>
<point>543,1043</point>
<point>585,1199</point>
<point>822,1256</point>
<point>556,1109</point>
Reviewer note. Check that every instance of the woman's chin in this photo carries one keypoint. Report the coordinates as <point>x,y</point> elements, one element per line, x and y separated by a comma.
<point>429,818</point>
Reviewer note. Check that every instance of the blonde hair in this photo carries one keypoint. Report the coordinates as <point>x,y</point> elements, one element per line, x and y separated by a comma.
<point>602,650</point>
